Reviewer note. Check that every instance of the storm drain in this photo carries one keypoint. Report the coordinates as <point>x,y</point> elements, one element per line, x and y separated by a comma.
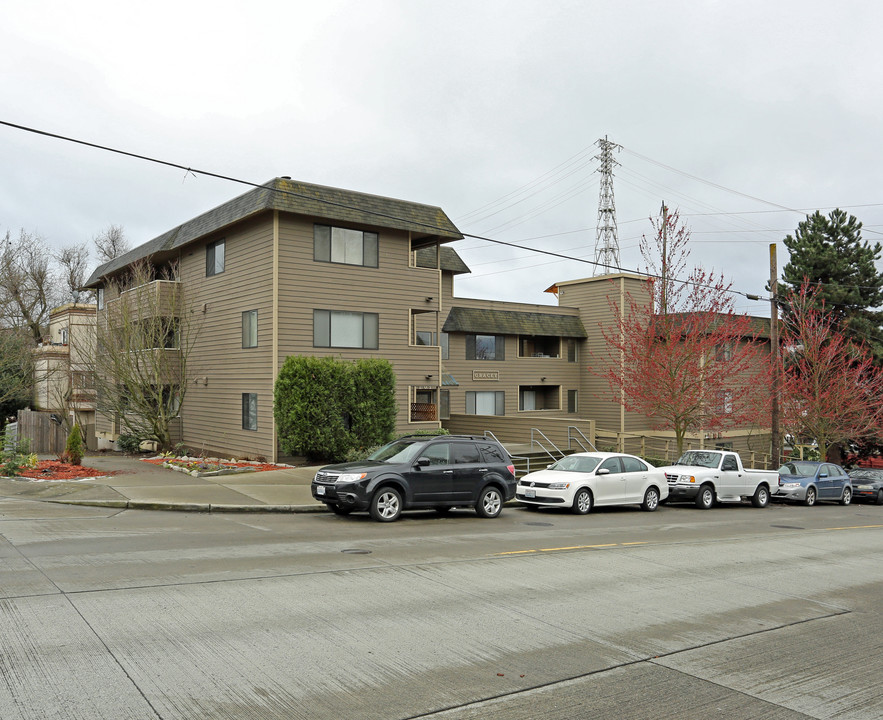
<point>355,551</point>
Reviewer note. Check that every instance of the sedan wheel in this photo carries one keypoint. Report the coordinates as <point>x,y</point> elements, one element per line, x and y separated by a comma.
<point>386,505</point>
<point>847,496</point>
<point>582,503</point>
<point>651,500</point>
<point>810,499</point>
<point>490,503</point>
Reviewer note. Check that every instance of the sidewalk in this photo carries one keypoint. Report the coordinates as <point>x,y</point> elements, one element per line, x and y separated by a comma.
<point>141,485</point>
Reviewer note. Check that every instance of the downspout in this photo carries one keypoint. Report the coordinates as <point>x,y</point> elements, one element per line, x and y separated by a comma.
<point>275,342</point>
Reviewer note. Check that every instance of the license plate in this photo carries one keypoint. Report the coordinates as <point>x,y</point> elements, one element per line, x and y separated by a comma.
<point>530,493</point>
<point>320,489</point>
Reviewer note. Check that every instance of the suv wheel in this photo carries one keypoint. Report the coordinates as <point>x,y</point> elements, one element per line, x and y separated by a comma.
<point>490,503</point>
<point>386,505</point>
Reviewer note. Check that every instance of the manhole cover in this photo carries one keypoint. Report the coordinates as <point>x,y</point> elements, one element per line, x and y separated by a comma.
<point>788,527</point>
<point>356,551</point>
<point>539,524</point>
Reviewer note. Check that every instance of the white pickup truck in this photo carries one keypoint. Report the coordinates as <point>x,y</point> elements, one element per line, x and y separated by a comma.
<point>703,476</point>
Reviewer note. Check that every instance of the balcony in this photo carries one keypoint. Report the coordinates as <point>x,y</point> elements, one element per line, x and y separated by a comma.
<point>424,412</point>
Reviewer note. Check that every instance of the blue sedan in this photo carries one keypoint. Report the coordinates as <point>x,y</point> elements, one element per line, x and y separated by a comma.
<point>807,482</point>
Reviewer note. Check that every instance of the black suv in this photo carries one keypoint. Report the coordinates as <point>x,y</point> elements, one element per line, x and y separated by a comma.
<point>420,471</point>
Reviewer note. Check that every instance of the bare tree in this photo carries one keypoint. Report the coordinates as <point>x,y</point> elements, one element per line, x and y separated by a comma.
<point>73,262</point>
<point>111,243</point>
<point>144,339</point>
<point>29,286</point>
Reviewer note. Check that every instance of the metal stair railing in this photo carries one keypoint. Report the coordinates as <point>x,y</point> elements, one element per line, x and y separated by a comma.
<point>533,441</point>
<point>571,439</point>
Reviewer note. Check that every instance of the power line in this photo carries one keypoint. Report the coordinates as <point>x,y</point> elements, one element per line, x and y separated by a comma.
<point>228,178</point>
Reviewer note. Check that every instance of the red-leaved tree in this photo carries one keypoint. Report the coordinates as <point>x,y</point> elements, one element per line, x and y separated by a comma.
<point>831,389</point>
<point>704,368</point>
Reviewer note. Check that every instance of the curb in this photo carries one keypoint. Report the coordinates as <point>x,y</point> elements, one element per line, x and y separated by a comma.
<point>193,507</point>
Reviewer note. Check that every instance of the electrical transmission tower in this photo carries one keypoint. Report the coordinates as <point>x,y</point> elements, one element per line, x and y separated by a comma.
<point>606,240</point>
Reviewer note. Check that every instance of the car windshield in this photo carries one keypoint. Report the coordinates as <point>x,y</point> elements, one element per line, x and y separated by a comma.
<point>573,463</point>
<point>798,468</point>
<point>700,459</point>
<point>399,451</point>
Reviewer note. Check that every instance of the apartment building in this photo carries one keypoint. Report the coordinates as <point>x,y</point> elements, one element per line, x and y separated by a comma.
<point>63,365</point>
<point>291,268</point>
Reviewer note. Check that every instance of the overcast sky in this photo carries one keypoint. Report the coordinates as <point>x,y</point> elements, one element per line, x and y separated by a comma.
<point>743,115</point>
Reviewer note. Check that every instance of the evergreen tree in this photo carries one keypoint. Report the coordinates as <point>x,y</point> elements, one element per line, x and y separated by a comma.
<point>829,252</point>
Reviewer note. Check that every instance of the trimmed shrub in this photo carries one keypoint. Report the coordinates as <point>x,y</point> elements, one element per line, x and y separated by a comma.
<point>326,408</point>
<point>73,449</point>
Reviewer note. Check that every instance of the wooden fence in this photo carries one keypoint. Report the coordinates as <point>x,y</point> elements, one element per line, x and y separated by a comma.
<point>45,435</point>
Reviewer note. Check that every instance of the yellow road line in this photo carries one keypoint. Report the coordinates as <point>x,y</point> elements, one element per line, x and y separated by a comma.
<point>573,547</point>
<point>855,527</point>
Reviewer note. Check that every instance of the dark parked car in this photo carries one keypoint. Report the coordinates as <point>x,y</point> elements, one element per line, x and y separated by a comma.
<point>867,484</point>
<point>809,481</point>
<point>419,471</point>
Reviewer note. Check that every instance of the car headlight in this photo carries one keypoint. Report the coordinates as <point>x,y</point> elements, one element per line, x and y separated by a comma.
<point>350,477</point>
<point>864,487</point>
<point>559,486</point>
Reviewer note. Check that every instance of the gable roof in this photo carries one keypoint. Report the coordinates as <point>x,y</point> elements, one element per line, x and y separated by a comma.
<point>448,259</point>
<point>286,195</point>
<point>513,322</point>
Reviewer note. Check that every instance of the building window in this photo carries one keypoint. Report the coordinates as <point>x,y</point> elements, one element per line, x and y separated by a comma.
<point>101,298</point>
<point>250,329</point>
<point>335,328</point>
<point>485,347</point>
<point>444,404</point>
<point>572,404</point>
<point>539,397</point>
<point>538,346</point>
<point>491,402</point>
<point>572,350</point>
<point>443,340</point>
<point>249,411</point>
<point>341,245</point>
<point>424,337</point>
<point>214,258</point>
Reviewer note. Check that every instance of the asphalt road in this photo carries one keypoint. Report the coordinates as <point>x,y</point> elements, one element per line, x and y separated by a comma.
<point>729,613</point>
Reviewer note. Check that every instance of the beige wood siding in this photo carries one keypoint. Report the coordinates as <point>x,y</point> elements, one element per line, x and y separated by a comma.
<point>391,290</point>
<point>219,369</point>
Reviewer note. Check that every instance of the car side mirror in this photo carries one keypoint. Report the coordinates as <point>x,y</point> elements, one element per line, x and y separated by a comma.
<point>423,462</point>
<point>823,475</point>
<point>603,471</point>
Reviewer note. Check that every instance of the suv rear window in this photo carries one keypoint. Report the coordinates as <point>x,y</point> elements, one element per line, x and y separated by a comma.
<point>492,453</point>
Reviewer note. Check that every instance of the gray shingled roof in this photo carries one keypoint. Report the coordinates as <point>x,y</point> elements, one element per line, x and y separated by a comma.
<point>513,322</point>
<point>301,198</point>
<point>448,257</point>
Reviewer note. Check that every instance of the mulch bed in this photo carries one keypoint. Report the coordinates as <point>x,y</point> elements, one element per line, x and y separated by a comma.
<point>55,470</point>
<point>259,467</point>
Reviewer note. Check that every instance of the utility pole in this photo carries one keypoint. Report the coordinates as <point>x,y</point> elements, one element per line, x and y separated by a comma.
<point>776,439</point>
<point>606,241</point>
<point>664,308</point>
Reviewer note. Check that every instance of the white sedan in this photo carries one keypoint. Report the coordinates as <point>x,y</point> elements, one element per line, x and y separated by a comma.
<point>583,480</point>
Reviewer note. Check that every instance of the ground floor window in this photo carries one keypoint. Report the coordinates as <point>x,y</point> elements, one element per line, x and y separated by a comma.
<point>572,404</point>
<point>249,411</point>
<point>490,402</point>
<point>539,397</point>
